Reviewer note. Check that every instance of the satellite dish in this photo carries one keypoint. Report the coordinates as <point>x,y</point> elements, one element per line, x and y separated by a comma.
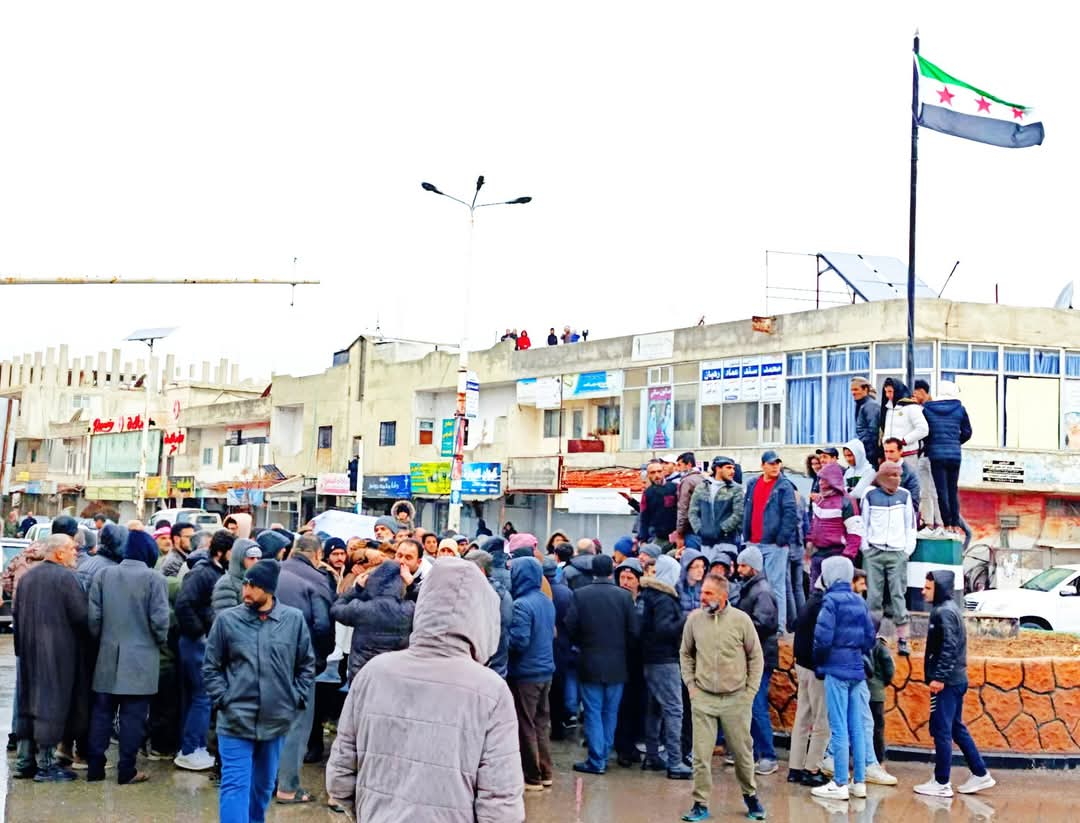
<point>1069,297</point>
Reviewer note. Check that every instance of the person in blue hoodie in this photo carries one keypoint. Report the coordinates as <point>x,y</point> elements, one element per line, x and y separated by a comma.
<point>843,634</point>
<point>694,565</point>
<point>950,428</point>
<point>532,665</point>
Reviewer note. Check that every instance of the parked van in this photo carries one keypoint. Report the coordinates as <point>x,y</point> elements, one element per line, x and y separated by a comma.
<point>199,518</point>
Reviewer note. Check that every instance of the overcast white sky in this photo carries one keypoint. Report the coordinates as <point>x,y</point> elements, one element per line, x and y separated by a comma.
<point>667,148</point>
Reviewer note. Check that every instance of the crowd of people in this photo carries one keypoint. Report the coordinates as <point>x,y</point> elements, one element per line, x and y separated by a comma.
<point>485,649</point>
<point>522,342</point>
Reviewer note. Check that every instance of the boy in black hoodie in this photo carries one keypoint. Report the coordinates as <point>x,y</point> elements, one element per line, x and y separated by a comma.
<point>946,673</point>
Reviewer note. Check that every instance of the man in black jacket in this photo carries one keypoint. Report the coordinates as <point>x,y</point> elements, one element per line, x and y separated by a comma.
<point>810,731</point>
<point>661,635</point>
<point>602,625</point>
<point>194,616</point>
<point>305,588</point>
<point>259,668</point>
<point>757,599</point>
<point>659,507</point>
<point>946,672</point>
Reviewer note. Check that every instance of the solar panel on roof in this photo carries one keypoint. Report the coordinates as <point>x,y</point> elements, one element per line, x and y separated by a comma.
<point>874,278</point>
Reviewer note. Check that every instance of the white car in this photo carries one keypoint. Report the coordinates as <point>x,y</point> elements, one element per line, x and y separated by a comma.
<point>199,518</point>
<point>1050,600</point>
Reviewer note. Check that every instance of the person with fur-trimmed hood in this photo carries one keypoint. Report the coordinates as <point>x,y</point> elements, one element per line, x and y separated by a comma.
<point>404,513</point>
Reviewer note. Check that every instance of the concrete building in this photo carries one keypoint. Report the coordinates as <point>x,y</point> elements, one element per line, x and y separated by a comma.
<point>566,428</point>
<point>73,429</point>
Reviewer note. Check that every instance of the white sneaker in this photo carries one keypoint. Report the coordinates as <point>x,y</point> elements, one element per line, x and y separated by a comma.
<point>877,775</point>
<point>976,784</point>
<point>197,761</point>
<point>925,532</point>
<point>858,790</point>
<point>827,767</point>
<point>932,788</point>
<point>830,791</point>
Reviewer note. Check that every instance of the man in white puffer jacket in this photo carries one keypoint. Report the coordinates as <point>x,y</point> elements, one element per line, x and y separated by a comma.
<point>902,417</point>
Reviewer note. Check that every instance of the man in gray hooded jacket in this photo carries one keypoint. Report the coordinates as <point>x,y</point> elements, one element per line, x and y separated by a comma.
<point>455,631</point>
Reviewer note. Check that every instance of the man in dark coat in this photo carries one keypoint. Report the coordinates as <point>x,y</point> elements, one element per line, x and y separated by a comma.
<point>659,507</point>
<point>661,635</point>
<point>757,599</point>
<point>946,675</point>
<point>259,669</point>
<point>305,588</point>
<point>379,614</point>
<point>563,718</point>
<point>867,418</point>
<point>194,616</point>
<point>27,523</point>
<point>129,614</point>
<point>49,615</point>
<point>602,625</point>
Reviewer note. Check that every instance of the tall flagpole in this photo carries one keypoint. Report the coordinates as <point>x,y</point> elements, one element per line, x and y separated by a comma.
<point>910,374</point>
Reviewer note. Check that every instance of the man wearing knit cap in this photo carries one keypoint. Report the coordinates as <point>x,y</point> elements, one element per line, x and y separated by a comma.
<point>603,625</point>
<point>624,548</point>
<point>524,544</point>
<point>258,670</point>
<point>385,529</point>
<point>757,599</point>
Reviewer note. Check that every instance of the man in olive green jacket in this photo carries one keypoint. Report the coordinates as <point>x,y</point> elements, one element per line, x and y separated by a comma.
<point>722,664</point>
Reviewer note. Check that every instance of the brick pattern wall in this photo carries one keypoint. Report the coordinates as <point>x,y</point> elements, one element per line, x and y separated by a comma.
<point>1027,706</point>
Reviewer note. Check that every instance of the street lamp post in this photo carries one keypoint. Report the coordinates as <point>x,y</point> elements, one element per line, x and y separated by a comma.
<point>454,517</point>
<point>147,336</point>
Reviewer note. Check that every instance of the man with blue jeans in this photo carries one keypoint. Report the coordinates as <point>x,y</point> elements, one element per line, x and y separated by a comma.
<point>758,599</point>
<point>770,523</point>
<point>259,670</point>
<point>946,674</point>
<point>194,616</point>
<point>602,624</point>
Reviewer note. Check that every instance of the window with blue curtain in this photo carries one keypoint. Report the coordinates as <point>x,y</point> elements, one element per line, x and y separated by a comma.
<point>837,360</point>
<point>813,362</point>
<point>795,365</point>
<point>889,355</point>
<point>841,407</point>
<point>954,357</point>
<point>1017,361</point>
<point>1072,364</point>
<point>924,356</point>
<point>1046,361</point>
<point>804,410</point>
<point>859,360</point>
<point>983,358</point>
<point>948,375</point>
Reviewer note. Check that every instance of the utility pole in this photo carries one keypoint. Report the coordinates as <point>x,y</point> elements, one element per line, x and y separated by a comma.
<point>454,517</point>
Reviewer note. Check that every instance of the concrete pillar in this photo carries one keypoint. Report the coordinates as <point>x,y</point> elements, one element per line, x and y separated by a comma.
<point>5,374</point>
<point>114,375</point>
<point>102,370</point>
<point>66,378</point>
<point>16,371</point>
<point>170,370</point>
<point>191,372</point>
<point>88,371</point>
<point>205,371</point>
<point>155,383</point>
<point>234,376</point>
<point>39,367</point>
<point>128,370</point>
<point>221,374</point>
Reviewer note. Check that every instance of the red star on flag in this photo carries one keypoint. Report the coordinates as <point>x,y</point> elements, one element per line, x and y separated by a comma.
<point>1018,114</point>
<point>984,104</point>
<point>945,96</point>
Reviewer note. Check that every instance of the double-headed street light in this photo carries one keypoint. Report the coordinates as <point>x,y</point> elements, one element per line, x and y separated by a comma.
<point>454,517</point>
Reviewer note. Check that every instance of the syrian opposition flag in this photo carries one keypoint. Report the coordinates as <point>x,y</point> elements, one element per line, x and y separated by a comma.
<point>951,106</point>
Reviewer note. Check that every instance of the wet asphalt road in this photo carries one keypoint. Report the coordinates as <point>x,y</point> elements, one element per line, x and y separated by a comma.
<point>625,795</point>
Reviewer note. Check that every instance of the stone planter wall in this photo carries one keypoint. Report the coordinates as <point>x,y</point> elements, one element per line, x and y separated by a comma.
<point>1029,706</point>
